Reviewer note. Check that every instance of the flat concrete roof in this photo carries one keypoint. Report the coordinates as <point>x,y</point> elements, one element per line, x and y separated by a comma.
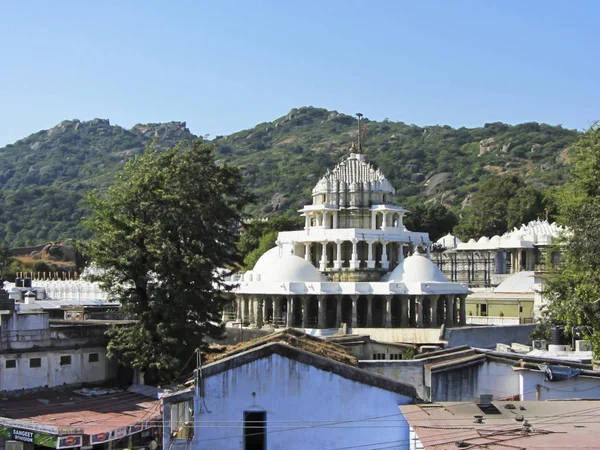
<point>506,424</point>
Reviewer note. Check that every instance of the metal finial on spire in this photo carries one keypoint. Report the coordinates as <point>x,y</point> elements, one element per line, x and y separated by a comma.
<point>359,115</point>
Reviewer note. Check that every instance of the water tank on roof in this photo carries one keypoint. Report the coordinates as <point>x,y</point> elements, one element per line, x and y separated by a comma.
<point>557,335</point>
<point>27,282</point>
<point>18,282</point>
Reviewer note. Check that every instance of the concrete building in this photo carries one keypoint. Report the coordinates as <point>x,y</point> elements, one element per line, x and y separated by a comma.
<point>36,354</point>
<point>288,390</point>
<point>354,263</point>
<point>503,425</point>
<point>462,373</point>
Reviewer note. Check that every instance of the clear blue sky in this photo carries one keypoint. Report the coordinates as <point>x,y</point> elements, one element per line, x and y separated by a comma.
<point>224,66</point>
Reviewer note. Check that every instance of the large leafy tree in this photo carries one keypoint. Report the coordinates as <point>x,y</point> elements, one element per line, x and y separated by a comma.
<point>159,233</point>
<point>499,205</point>
<point>433,218</point>
<point>572,289</point>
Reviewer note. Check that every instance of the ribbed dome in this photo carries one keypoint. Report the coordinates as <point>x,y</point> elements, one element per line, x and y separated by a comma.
<point>275,266</point>
<point>416,269</point>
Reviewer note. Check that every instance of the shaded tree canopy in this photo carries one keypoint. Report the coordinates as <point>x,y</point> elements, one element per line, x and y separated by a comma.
<point>500,205</point>
<point>260,236</point>
<point>572,289</point>
<point>435,219</point>
<point>159,233</point>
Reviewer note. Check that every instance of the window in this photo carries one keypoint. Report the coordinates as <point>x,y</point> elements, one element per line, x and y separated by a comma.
<point>11,363</point>
<point>35,362</point>
<point>93,357</point>
<point>255,430</point>
<point>65,360</point>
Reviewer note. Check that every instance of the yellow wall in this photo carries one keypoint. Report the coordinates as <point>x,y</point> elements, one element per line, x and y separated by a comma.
<point>510,308</point>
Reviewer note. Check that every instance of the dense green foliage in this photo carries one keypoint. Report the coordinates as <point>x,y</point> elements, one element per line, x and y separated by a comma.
<point>260,236</point>
<point>573,286</point>
<point>500,205</point>
<point>44,177</point>
<point>432,218</point>
<point>159,233</point>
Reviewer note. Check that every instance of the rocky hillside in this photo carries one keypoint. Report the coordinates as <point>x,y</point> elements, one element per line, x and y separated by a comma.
<point>285,158</point>
<point>43,177</point>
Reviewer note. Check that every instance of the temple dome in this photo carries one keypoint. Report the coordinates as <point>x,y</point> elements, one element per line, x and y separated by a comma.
<point>274,265</point>
<point>518,283</point>
<point>449,241</point>
<point>416,269</point>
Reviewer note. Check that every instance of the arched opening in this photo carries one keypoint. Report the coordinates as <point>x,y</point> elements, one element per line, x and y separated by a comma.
<point>312,312</point>
<point>362,249</point>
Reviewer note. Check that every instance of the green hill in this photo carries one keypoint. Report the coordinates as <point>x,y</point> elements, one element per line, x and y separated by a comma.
<point>43,177</point>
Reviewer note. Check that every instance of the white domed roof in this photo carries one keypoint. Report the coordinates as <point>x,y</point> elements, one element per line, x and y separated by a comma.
<point>417,269</point>
<point>519,282</point>
<point>273,265</point>
<point>449,241</point>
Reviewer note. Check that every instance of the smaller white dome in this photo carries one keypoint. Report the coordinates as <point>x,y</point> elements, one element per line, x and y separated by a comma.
<point>416,269</point>
<point>519,282</point>
<point>483,240</point>
<point>496,240</point>
<point>274,265</point>
<point>449,241</point>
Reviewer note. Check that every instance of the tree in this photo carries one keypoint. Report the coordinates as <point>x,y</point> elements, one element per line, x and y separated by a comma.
<point>5,259</point>
<point>572,289</point>
<point>159,232</point>
<point>435,219</point>
<point>499,205</point>
<point>260,236</point>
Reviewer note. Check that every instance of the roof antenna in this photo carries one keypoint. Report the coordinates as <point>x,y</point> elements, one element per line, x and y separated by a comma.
<point>359,115</point>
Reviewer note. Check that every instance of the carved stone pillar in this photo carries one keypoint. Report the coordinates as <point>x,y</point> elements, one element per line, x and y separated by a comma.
<point>323,263</point>
<point>449,310</point>
<point>384,220</point>
<point>420,311</point>
<point>387,322</point>
<point>321,311</point>
<point>404,311</point>
<point>370,260</point>
<point>335,220</point>
<point>265,311</point>
<point>290,312</point>
<point>338,310</point>
<point>373,220</point>
<point>306,221</point>
<point>238,314</point>
<point>369,311</point>
<point>434,310</point>
<point>354,311</point>
<point>385,264</point>
<point>304,301</point>
<point>400,253</point>
<point>463,310</point>
<point>259,312</point>
<point>307,251</point>
<point>277,312</point>
<point>337,264</point>
<point>354,263</point>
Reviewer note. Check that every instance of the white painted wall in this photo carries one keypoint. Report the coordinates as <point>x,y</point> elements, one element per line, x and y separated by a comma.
<point>306,408</point>
<point>581,387</point>
<point>497,379</point>
<point>51,373</point>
